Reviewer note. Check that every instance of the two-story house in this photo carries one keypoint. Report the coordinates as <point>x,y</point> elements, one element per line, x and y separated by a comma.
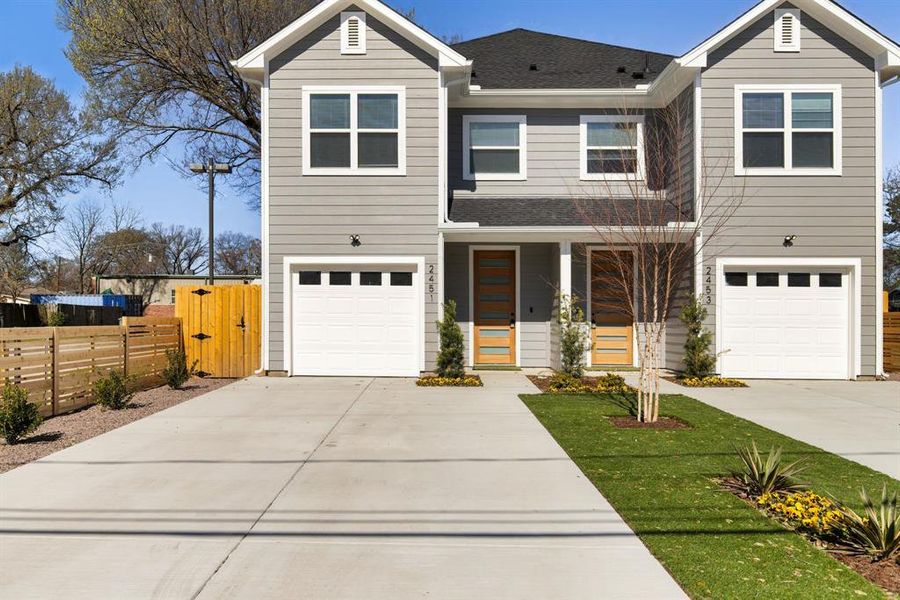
<point>399,172</point>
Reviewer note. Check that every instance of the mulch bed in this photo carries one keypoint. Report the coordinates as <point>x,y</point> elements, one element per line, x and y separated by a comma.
<point>66,430</point>
<point>662,423</point>
<point>883,573</point>
<point>679,381</point>
<point>542,382</point>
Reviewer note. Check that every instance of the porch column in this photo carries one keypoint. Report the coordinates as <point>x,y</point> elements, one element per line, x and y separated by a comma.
<point>565,269</point>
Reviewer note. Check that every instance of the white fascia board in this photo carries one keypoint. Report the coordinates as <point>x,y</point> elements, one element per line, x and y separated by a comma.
<point>827,12</point>
<point>327,9</point>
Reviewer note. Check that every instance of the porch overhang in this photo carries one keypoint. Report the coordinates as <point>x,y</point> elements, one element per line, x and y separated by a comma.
<point>472,233</point>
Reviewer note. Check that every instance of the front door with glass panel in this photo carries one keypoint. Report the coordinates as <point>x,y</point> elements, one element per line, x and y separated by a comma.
<point>495,307</point>
<point>612,326</point>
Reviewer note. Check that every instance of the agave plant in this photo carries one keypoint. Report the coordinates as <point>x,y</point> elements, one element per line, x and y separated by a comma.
<point>876,532</point>
<point>760,476</point>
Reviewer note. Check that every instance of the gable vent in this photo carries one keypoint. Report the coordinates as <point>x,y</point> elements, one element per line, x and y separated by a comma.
<point>353,33</point>
<point>787,30</point>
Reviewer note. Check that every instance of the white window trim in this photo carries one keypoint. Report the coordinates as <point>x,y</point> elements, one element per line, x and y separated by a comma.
<point>345,37</point>
<point>837,118</point>
<point>794,46</point>
<point>639,149</point>
<point>522,148</point>
<point>354,91</point>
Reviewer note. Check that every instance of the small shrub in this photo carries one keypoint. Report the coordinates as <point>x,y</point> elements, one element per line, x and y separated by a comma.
<point>450,360</point>
<point>612,383</point>
<point>177,372</point>
<point>574,339</point>
<point>876,532</point>
<point>760,476</point>
<point>564,383</point>
<point>112,391</point>
<point>465,381</point>
<point>51,316</point>
<point>806,511</point>
<point>18,416</point>
<point>711,381</point>
<point>698,360</point>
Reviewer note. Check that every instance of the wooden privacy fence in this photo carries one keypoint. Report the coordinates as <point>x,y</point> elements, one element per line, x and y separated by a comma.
<point>892,341</point>
<point>59,365</point>
<point>221,328</point>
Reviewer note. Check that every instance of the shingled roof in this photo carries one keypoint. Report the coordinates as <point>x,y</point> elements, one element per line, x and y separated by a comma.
<point>524,59</point>
<point>558,212</point>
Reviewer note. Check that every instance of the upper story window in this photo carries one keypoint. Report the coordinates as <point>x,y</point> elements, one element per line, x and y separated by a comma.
<point>494,147</point>
<point>612,147</point>
<point>787,130</point>
<point>358,131</point>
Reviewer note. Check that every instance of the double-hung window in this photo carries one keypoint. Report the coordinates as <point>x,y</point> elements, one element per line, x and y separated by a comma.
<point>787,130</point>
<point>359,131</point>
<point>494,147</point>
<point>612,147</point>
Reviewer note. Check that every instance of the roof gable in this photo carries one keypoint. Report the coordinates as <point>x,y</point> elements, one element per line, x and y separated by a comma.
<point>253,62</point>
<point>828,12</point>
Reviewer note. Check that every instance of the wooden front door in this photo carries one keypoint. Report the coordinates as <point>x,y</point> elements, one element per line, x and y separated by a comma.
<point>495,307</point>
<point>612,327</point>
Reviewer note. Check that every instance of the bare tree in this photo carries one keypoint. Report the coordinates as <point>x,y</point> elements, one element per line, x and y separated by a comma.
<point>238,254</point>
<point>161,70</point>
<point>649,227</point>
<point>46,149</point>
<point>181,250</point>
<point>15,270</point>
<point>81,233</point>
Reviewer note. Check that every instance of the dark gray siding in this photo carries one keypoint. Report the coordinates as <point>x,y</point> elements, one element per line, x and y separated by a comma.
<point>831,216</point>
<point>315,215</point>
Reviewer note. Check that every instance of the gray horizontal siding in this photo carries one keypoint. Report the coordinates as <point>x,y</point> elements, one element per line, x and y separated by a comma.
<point>553,157</point>
<point>315,215</point>
<point>831,216</point>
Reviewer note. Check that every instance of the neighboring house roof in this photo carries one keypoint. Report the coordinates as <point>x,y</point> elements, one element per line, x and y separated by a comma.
<point>524,59</point>
<point>553,212</point>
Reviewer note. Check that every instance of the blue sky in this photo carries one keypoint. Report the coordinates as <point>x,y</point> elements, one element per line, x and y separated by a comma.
<point>29,36</point>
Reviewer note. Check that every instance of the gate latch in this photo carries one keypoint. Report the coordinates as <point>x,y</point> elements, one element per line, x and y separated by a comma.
<point>242,325</point>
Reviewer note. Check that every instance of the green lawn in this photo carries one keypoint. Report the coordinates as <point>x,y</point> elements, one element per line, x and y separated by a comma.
<point>661,482</point>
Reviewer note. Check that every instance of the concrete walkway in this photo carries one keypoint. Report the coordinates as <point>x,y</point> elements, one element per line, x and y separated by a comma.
<point>321,488</point>
<point>859,420</point>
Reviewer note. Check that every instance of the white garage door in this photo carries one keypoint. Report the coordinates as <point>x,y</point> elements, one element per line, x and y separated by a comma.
<point>356,321</point>
<point>787,323</point>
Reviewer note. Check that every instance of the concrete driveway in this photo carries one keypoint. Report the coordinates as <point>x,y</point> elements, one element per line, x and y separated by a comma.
<point>859,420</point>
<point>321,488</point>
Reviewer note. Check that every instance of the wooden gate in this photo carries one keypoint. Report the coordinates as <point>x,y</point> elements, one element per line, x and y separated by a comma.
<point>221,325</point>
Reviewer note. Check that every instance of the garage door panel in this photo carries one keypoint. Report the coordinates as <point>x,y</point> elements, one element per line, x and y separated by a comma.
<point>784,331</point>
<point>357,329</point>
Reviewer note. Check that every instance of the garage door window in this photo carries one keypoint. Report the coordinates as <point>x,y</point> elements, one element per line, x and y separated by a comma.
<point>310,278</point>
<point>767,280</point>
<point>830,280</point>
<point>339,278</point>
<point>798,279</point>
<point>370,278</point>
<point>401,279</point>
<point>736,279</point>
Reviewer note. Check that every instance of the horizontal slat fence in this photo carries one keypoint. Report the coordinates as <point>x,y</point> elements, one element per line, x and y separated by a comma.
<point>892,342</point>
<point>59,365</point>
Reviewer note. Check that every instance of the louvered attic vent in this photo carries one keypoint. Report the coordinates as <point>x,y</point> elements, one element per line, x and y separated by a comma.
<point>787,30</point>
<point>353,33</point>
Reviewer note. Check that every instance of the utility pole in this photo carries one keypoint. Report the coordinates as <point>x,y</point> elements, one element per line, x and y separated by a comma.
<point>58,271</point>
<point>211,168</point>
